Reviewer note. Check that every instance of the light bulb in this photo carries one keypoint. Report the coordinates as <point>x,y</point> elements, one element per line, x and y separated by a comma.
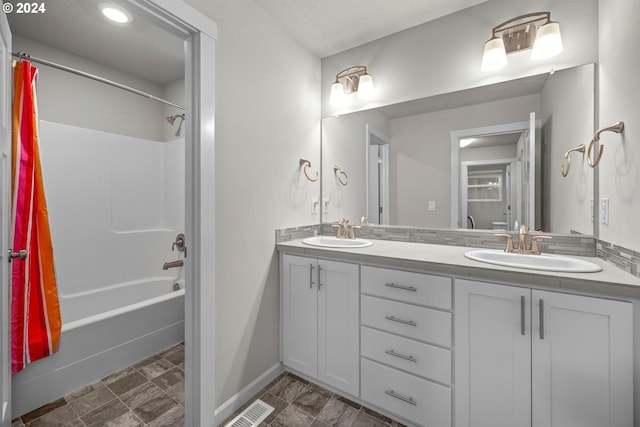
<point>495,56</point>
<point>548,41</point>
<point>365,87</point>
<point>337,94</point>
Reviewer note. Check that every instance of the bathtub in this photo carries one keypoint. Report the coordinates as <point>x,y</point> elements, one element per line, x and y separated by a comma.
<point>103,331</point>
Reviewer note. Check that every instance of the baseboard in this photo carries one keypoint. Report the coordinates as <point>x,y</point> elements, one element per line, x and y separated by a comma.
<point>234,403</point>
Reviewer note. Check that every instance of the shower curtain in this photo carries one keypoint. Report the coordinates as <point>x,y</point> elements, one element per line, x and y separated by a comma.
<point>35,311</point>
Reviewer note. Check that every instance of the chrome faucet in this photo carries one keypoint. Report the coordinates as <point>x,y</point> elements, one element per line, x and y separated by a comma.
<point>522,242</point>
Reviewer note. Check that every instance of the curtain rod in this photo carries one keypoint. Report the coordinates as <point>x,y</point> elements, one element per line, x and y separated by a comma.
<point>93,77</point>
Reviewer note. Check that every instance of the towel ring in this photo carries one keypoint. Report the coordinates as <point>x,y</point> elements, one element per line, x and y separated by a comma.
<point>306,164</point>
<point>617,127</point>
<point>564,169</point>
<point>341,175</point>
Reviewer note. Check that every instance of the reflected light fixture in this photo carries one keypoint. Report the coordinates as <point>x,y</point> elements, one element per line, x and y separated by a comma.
<point>356,79</point>
<point>114,13</point>
<point>534,31</point>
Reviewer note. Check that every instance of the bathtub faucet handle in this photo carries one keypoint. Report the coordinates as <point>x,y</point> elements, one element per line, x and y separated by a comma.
<point>179,244</point>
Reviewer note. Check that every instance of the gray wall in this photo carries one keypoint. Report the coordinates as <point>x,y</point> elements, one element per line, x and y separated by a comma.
<point>619,171</point>
<point>444,55</point>
<point>421,156</point>
<point>568,121</point>
<point>267,118</point>
<point>78,101</point>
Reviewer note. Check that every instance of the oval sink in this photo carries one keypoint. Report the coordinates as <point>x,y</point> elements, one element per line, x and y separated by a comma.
<point>545,262</point>
<point>336,242</point>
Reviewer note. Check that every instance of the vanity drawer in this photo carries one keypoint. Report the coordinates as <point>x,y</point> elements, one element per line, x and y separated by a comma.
<point>411,321</point>
<point>421,359</point>
<point>418,400</point>
<point>416,288</point>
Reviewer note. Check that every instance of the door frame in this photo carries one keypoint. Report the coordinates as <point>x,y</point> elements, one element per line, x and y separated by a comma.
<point>457,135</point>
<point>383,176</point>
<point>199,33</point>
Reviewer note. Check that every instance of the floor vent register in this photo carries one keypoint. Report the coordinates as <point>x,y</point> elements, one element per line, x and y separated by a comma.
<point>257,412</point>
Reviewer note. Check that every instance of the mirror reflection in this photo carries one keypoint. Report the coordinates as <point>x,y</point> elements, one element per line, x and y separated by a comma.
<point>406,166</point>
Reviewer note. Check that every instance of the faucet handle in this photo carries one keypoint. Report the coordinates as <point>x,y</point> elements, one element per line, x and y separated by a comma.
<point>509,241</point>
<point>352,231</point>
<point>534,243</point>
<point>523,229</point>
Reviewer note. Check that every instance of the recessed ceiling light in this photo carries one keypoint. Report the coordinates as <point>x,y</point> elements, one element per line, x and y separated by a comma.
<point>115,13</point>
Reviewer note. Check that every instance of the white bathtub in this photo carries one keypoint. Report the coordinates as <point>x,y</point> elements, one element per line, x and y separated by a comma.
<point>103,331</point>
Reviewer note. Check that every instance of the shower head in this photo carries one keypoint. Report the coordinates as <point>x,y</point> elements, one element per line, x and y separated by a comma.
<point>172,119</point>
<point>179,126</point>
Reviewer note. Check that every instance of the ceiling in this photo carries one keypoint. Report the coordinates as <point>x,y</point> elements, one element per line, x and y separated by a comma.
<point>325,27</point>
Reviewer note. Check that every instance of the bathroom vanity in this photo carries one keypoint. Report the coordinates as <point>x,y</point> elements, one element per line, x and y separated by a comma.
<point>432,338</point>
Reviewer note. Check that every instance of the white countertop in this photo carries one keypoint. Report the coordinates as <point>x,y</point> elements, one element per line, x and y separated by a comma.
<point>450,260</point>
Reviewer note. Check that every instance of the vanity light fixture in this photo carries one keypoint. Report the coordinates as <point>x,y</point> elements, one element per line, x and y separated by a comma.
<point>356,79</point>
<point>532,30</point>
<point>114,13</point>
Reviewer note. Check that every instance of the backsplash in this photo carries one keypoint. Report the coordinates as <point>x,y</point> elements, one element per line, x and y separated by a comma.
<point>577,245</point>
<point>623,258</point>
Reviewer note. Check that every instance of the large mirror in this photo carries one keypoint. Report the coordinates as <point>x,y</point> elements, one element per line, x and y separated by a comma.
<point>485,158</point>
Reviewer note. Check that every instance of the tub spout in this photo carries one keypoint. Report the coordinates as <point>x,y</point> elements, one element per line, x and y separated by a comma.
<point>172,264</point>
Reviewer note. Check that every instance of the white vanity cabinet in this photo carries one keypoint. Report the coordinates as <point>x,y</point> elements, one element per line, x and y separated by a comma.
<point>406,344</point>
<point>527,357</point>
<point>320,320</point>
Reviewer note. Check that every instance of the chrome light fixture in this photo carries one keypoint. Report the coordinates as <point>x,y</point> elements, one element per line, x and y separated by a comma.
<point>535,30</point>
<point>356,79</point>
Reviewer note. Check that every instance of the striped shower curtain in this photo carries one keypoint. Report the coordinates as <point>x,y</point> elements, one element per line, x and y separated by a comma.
<point>35,312</point>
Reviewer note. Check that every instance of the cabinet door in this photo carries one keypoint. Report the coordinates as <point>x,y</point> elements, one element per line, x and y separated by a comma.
<point>300,314</point>
<point>338,326</point>
<point>582,361</point>
<point>492,355</point>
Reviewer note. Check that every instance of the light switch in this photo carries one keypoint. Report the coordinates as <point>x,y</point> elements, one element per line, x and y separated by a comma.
<point>325,206</point>
<point>604,210</point>
<point>315,206</point>
<point>432,205</point>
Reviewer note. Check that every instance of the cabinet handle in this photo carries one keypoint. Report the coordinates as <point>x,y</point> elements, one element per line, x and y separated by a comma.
<point>401,356</point>
<point>541,308</point>
<point>522,315</point>
<point>319,279</point>
<point>408,400</point>
<point>311,276</point>
<point>406,322</point>
<point>405,288</point>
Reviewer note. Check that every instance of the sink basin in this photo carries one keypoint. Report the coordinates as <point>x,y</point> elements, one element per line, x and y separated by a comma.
<point>545,262</point>
<point>336,242</point>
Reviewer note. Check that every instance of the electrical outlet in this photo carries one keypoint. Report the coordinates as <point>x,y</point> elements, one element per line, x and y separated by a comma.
<point>604,210</point>
<point>432,205</point>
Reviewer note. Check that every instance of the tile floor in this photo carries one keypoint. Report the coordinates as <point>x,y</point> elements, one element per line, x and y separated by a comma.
<point>148,393</point>
<point>299,403</point>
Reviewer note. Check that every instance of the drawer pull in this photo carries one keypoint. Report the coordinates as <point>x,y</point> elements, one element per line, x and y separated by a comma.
<point>408,400</point>
<point>403,287</point>
<point>406,322</point>
<point>401,356</point>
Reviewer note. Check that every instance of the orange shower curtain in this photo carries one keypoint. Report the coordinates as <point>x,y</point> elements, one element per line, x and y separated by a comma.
<point>35,312</point>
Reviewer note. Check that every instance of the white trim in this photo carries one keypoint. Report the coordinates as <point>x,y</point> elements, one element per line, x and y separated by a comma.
<point>236,401</point>
<point>199,33</point>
